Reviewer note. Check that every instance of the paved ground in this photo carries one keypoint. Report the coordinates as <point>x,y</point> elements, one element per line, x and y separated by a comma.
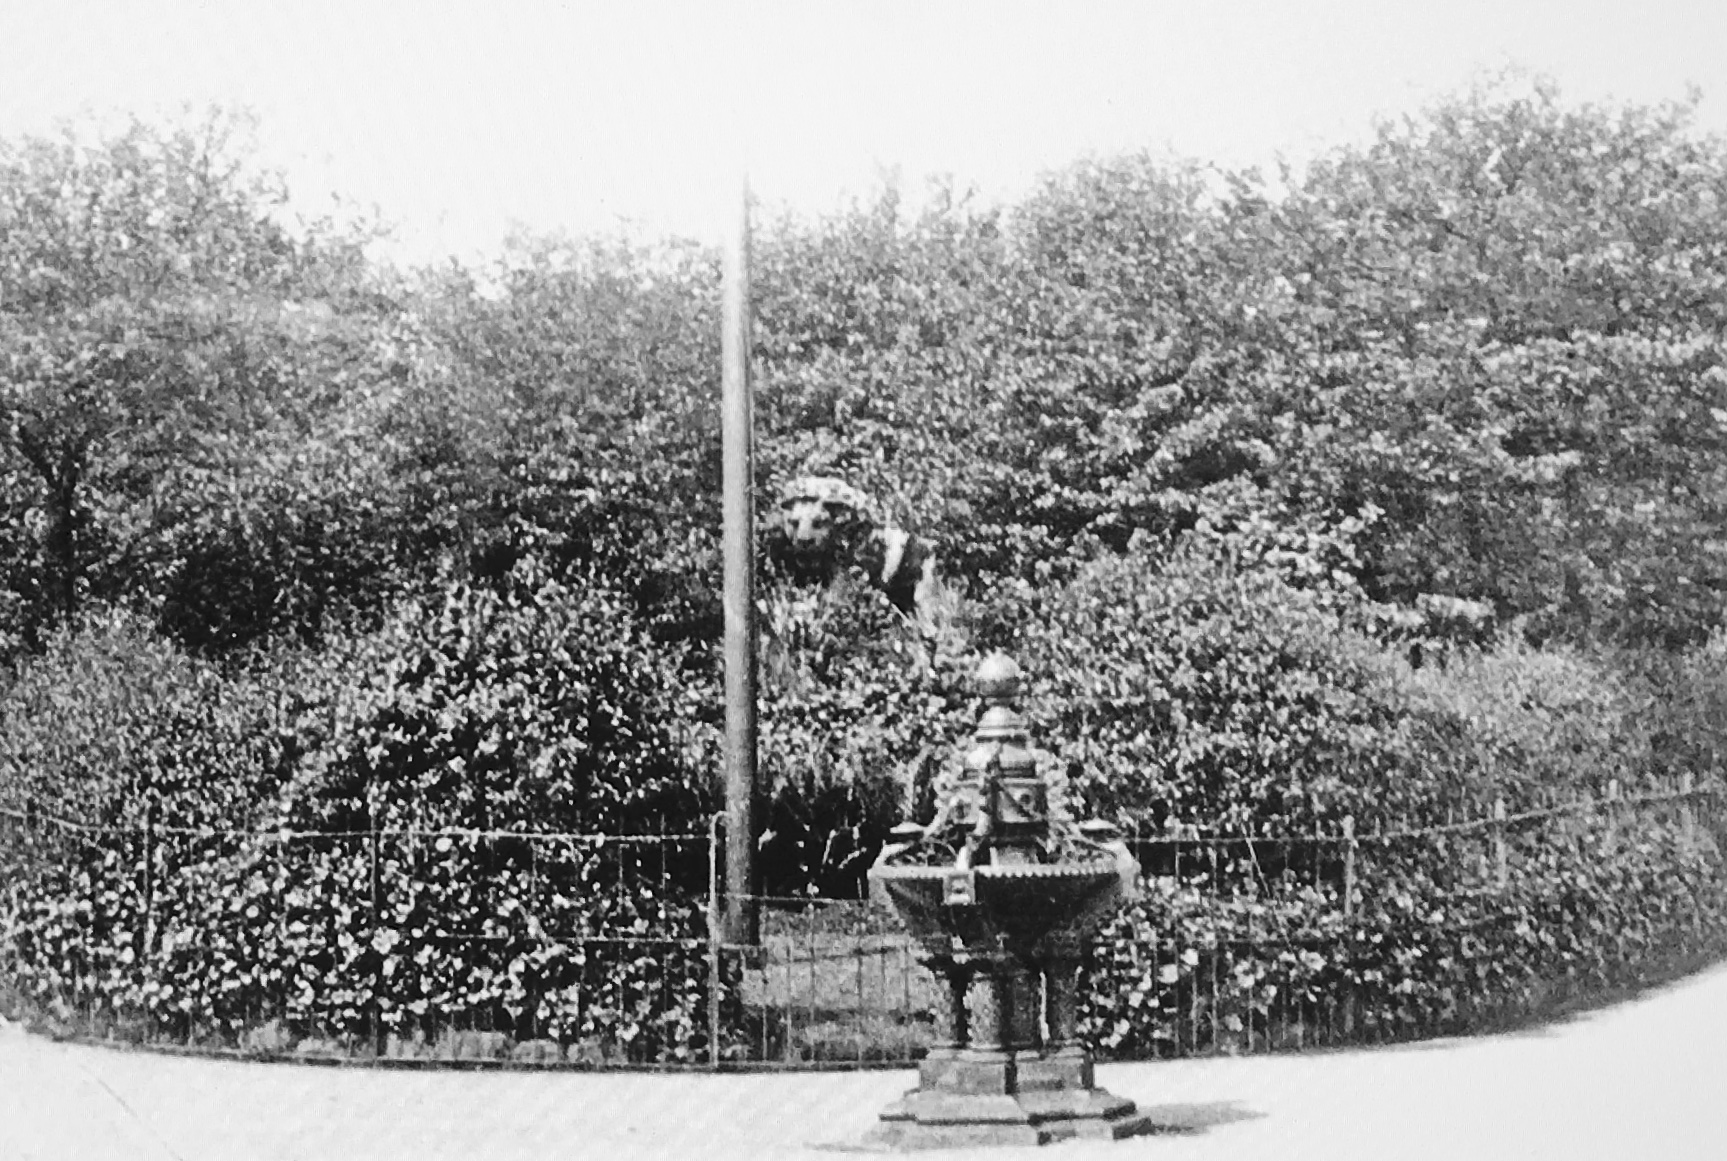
<point>1643,1079</point>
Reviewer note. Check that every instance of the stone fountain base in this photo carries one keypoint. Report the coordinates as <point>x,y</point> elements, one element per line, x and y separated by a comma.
<point>982,1098</point>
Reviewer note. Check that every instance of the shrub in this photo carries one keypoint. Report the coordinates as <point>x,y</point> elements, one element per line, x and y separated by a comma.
<point>296,539</point>
<point>111,724</point>
<point>533,707</point>
<point>857,719</point>
<point>533,702</point>
<point>1687,714</point>
<point>413,756</point>
<point>1194,686</point>
<point>1591,904</point>
<point>1534,721</point>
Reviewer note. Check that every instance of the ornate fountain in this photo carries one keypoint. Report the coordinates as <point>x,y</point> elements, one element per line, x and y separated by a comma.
<point>1000,892</point>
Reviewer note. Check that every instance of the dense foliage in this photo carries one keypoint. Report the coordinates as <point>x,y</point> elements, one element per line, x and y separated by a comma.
<point>379,849</point>
<point>1385,489</point>
<point>1433,944</point>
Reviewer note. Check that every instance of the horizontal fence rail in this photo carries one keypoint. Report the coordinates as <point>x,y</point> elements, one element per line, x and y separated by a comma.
<point>602,950</point>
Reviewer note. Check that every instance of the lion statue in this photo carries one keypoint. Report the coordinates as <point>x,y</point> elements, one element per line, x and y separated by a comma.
<point>824,525</point>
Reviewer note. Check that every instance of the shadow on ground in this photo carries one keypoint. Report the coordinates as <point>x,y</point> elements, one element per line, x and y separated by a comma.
<point>1191,1119</point>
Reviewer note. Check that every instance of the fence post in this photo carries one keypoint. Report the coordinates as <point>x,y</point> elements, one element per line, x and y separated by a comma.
<point>1500,857</point>
<point>148,935</point>
<point>716,826</point>
<point>1612,811</point>
<point>378,1040</point>
<point>279,895</point>
<point>1352,997</point>
<point>1687,813</point>
<point>1348,865</point>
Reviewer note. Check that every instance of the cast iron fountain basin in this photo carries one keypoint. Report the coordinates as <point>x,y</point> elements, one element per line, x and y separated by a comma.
<point>998,908</point>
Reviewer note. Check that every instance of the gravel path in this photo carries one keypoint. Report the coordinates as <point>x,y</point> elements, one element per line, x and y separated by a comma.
<point>1646,1078</point>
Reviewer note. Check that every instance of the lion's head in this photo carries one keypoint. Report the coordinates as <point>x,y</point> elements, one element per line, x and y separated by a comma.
<point>821,524</point>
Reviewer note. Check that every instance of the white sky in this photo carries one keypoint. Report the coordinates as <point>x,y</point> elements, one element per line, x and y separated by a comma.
<point>457,119</point>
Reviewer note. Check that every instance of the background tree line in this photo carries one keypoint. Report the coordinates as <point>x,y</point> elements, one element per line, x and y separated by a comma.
<point>1488,340</point>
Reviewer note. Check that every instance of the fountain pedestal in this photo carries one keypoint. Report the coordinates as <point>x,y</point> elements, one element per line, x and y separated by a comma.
<point>1000,896</point>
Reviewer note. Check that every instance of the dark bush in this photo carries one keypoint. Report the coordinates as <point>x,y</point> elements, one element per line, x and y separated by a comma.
<point>858,716</point>
<point>377,881</point>
<point>1206,685</point>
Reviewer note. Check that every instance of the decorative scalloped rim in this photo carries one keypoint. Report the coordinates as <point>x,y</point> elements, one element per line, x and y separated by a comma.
<point>1101,868</point>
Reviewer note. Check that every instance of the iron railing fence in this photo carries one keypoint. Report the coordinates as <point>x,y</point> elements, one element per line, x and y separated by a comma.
<point>391,943</point>
<point>541,949</point>
<point>1256,943</point>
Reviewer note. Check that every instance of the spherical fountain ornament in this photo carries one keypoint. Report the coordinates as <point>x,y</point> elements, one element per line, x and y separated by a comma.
<point>998,678</point>
<point>1000,740</point>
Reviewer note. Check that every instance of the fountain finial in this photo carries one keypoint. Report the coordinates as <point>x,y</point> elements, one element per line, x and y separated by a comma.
<point>998,678</point>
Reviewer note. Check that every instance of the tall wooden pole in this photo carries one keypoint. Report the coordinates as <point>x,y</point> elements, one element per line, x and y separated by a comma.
<point>741,925</point>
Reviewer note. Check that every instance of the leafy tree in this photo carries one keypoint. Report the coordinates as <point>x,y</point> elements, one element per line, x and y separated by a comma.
<point>159,312</point>
<point>1501,326</point>
<point>564,404</point>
